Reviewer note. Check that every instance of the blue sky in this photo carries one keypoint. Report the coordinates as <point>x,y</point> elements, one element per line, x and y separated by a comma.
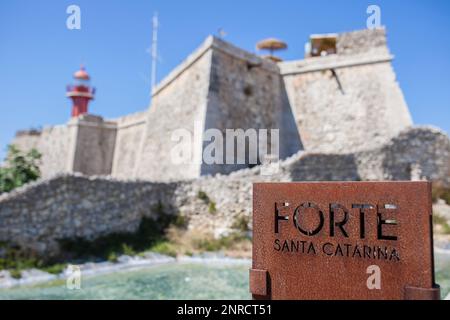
<point>38,54</point>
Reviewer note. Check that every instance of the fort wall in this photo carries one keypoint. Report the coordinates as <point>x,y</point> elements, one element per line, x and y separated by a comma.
<point>246,92</point>
<point>85,145</point>
<point>130,130</point>
<point>94,147</point>
<point>27,139</point>
<point>178,103</point>
<point>54,143</point>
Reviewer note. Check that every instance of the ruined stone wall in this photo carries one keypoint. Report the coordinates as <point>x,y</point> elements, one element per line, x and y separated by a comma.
<point>420,153</point>
<point>78,206</point>
<point>72,206</point>
<point>417,153</point>
<point>128,139</point>
<point>349,101</point>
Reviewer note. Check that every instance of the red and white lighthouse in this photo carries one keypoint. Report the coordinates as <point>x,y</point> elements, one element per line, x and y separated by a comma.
<point>80,92</point>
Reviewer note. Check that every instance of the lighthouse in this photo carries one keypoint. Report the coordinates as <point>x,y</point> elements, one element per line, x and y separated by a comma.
<point>80,92</point>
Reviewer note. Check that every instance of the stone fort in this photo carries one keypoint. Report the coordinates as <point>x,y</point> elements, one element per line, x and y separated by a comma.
<point>344,102</point>
<point>340,112</point>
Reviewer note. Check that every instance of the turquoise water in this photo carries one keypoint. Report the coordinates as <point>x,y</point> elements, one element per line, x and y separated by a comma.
<point>174,281</point>
<point>442,269</point>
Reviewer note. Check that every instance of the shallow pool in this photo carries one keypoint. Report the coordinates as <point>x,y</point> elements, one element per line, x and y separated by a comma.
<point>442,269</point>
<point>172,281</point>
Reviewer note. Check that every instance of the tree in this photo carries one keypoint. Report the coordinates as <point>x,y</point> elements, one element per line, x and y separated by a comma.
<point>20,168</point>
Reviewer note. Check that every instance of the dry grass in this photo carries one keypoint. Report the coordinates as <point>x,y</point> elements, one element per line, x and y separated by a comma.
<point>189,242</point>
<point>440,224</point>
<point>440,192</point>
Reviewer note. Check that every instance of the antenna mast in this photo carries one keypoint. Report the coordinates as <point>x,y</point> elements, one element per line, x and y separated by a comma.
<point>154,50</point>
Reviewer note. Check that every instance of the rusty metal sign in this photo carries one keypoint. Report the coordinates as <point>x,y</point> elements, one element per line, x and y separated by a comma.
<point>342,240</point>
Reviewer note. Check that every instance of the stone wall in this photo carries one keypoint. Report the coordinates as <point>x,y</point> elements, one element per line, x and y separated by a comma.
<point>85,145</point>
<point>247,92</point>
<point>94,147</point>
<point>54,143</point>
<point>417,153</point>
<point>218,87</point>
<point>72,206</point>
<point>27,139</point>
<point>128,140</point>
<point>77,206</point>
<point>178,103</point>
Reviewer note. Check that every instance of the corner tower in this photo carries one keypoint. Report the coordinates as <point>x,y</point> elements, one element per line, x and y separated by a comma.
<point>344,94</point>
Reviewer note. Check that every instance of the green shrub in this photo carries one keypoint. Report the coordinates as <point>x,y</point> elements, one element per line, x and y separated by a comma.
<point>16,259</point>
<point>241,223</point>
<point>13,257</point>
<point>180,221</point>
<point>211,204</point>
<point>55,269</point>
<point>211,244</point>
<point>203,196</point>
<point>446,196</point>
<point>440,220</point>
<point>15,273</point>
<point>439,192</point>
<point>208,245</point>
<point>112,257</point>
<point>20,169</point>
<point>128,250</point>
<point>164,247</point>
<point>212,207</point>
<point>150,232</point>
